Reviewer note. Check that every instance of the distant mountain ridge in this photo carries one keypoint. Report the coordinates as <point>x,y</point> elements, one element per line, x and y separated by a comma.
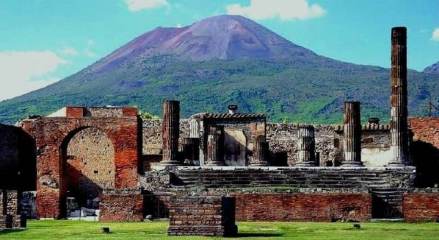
<point>222,60</point>
<point>432,68</point>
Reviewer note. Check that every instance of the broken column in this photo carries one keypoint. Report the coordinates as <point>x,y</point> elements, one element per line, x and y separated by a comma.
<point>352,134</point>
<point>398,98</point>
<point>215,142</point>
<point>259,152</point>
<point>306,146</point>
<point>170,131</point>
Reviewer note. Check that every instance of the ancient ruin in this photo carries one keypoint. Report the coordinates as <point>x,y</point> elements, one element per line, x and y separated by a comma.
<point>109,164</point>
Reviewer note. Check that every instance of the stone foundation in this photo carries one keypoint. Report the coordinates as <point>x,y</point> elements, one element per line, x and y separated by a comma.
<point>202,215</point>
<point>303,207</point>
<point>121,206</point>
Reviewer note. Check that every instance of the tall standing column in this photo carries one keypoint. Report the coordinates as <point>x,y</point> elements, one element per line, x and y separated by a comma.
<point>306,146</point>
<point>398,98</point>
<point>259,152</point>
<point>352,134</point>
<point>170,131</point>
<point>215,142</point>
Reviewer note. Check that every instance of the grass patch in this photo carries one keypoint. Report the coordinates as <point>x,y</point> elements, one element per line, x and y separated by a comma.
<point>247,230</point>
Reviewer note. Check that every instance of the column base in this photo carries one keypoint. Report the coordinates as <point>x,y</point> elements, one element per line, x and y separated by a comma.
<point>395,164</point>
<point>214,164</point>
<point>258,164</point>
<point>351,164</point>
<point>170,163</point>
<point>305,164</point>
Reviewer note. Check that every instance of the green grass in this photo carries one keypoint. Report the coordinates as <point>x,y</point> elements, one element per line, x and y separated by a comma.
<point>247,230</point>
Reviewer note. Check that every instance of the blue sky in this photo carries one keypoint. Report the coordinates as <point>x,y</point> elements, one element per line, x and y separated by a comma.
<point>43,41</point>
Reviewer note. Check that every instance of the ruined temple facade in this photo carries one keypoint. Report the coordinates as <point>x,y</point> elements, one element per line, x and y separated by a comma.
<point>109,161</point>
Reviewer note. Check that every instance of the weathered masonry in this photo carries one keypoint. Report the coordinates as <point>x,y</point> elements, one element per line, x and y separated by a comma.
<point>81,152</point>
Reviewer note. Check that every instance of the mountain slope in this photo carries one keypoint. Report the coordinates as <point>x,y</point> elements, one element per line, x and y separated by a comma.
<point>223,60</point>
<point>432,69</point>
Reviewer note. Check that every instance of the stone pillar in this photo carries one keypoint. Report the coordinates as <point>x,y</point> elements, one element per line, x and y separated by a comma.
<point>259,152</point>
<point>170,132</point>
<point>191,149</point>
<point>215,142</point>
<point>352,134</point>
<point>306,146</point>
<point>398,98</point>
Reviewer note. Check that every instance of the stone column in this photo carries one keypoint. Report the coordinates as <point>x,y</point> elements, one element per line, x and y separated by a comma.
<point>215,142</point>
<point>259,152</point>
<point>306,146</point>
<point>170,132</point>
<point>398,98</point>
<point>352,134</point>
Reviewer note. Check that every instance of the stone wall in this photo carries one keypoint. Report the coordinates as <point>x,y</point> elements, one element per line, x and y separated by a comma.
<point>202,215</point>
<point>90,163</point>
<point>421,206</point>
<point>121,206</point>
<point>10,210</point>
<point>303,207</point>
<point>282,139</point>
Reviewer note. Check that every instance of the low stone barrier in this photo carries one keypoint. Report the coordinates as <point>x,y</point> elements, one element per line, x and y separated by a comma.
<point>202,215</point>
<point>121,206</point>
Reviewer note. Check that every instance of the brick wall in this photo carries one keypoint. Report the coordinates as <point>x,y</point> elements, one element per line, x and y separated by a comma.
<point>52,134</point>
<point>121,206</point>
<point>202,215</point>
<point>425,150</point>
<point>421,206</point>
<point>303,207</point>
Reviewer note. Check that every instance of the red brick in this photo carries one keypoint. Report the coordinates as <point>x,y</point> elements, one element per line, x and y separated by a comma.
<point>74,112</point>
<point>421,207</point>
<point>303,206</point>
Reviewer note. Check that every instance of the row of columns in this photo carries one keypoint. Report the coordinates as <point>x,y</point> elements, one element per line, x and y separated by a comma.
<point>215,141</point>
<point>306,139</point>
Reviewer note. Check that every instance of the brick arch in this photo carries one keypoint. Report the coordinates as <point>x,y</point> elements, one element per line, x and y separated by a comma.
<point>51,134</point>
<point>88,157</point>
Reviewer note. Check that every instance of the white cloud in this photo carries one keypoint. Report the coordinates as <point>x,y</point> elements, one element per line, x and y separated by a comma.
<point>138,5</point>
<point>435,36</point>
<point>69,51</point>
<point>282,9</point>
<point>88,52</point>
<point>21,72</point>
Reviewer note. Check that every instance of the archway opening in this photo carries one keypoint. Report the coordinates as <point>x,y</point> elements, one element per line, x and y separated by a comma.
<point>88,157</point>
